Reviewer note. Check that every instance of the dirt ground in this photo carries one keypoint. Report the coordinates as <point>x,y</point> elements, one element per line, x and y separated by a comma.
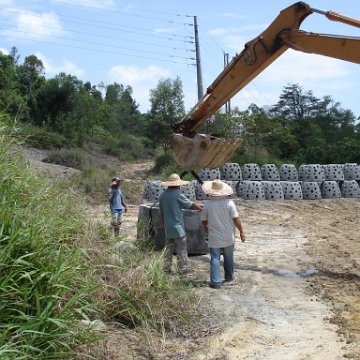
<point>296,292</point>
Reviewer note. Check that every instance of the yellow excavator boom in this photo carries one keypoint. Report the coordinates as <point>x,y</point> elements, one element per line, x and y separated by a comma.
<point>194,151</point>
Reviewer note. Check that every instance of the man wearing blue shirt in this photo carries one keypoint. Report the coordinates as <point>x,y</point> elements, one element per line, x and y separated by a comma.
<point>117,205</point>
<point>171,202</point>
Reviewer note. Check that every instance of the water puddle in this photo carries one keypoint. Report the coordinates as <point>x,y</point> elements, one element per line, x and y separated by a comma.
<point>295,275</point>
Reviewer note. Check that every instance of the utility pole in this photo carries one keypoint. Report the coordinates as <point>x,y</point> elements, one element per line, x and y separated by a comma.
<point>227,104</point>
<point>198,61</point>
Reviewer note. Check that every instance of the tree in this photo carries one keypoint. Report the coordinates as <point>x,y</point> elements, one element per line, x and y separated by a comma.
<point>167,108</point>
<point>11,100</point>
<point>295,104</point>
<point>28,72</point>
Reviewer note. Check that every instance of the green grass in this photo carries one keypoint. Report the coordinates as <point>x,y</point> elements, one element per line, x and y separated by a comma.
<point>46,286</point>
<point>57,268</point>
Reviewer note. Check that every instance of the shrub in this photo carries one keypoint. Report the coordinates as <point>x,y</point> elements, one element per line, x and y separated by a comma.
<point>40,138</point>
<point>75,158</point>
<point>128,148</point>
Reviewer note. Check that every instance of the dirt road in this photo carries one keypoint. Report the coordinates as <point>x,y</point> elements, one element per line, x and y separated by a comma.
<point>296,292</point>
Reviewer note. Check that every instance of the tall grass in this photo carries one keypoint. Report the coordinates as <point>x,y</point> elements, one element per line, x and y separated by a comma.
<point>46,285</point>
<point>56,269</point>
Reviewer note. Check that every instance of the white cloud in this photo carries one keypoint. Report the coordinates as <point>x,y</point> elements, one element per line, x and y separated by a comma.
<point>163,31</point>
<point>140,79</point>
<point>30,25</point>
<point>66,66</point>
<point>4,51</point>
<point>97,4</point>
<point>320,74</point>
<point>132,75</point>
<point>297,67</point>
<point>217,32</point>
<point>6,2</point>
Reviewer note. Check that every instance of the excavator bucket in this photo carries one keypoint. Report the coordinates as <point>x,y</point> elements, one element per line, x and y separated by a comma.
<point>202,151</point>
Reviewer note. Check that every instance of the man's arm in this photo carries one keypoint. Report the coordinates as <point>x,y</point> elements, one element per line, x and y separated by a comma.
<point>238,225</point>
<point>195,206</point>
<point>110,194</point>
<point>123,203</point>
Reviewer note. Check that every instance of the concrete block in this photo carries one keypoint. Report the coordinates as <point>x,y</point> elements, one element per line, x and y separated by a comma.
<point>231,172</point>
<point>311,173</point>
<point>270,172</point>
<point>250,190</point>
<point>350,189</point>
<point>152,190</point>
<point>273,190</point>
<point>209,174</point>
<point>311,190</point>
<point>292,190</point>
<point>288,172</point>
<point>351,171</point>
<point>334,172</point>
<point>151,231</point>
<point>330,189</point>
<point>251,172</point>
<point>189,190</point>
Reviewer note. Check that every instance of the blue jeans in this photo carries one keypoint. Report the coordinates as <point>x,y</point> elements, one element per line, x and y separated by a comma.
<point>215,253</point>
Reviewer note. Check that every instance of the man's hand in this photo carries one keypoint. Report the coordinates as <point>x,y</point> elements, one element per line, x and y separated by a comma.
<point>242,236</point>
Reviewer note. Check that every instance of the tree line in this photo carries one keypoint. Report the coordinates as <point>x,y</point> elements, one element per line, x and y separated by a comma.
<point>300,127</point>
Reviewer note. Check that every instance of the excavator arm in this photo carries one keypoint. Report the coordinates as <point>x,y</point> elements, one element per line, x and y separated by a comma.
<point>192,150</point>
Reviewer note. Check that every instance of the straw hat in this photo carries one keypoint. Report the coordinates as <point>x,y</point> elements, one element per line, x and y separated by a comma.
<point>217,188</point>
<point>174,180</point>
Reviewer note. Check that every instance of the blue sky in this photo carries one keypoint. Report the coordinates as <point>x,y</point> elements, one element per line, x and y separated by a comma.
<point>139,42</point>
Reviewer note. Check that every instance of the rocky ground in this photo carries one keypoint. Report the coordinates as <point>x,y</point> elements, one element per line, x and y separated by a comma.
<point>296,292</point>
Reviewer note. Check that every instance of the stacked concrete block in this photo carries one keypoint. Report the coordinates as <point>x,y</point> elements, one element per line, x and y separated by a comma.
<point>311,173</point>
<point>350,189</point>
<point>209,174</point>
<point>288,172</point>
<point>311,190</point>
<point>351,171</point>
<point>270,172</point>
<point>292,190</point>
<point>231,172</point>
<point>333,172</point>
<point>199,192</point>
<point>273,190</point>
<point>251,172</point>
<point>189,190</point>
<point>201,195</point>
<point>152,190</point>
<point>330,189</point>
<point>250,190</point>
<point>233,185</point>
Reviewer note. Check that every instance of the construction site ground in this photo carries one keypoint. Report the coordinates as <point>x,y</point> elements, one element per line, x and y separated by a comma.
<point>296,292</point>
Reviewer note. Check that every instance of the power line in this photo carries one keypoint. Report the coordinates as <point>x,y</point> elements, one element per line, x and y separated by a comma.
<point>129,14</point>
<point>106,26</point>
<point>109,52</point>
<point>102,44</point>
<point>97,35</point>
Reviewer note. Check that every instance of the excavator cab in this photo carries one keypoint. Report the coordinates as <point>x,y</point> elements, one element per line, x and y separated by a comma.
<point>194,151</point>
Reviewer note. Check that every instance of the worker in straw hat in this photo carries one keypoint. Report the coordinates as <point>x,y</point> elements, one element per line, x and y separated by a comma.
<point>219,218</point>
<point>171,202</point>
